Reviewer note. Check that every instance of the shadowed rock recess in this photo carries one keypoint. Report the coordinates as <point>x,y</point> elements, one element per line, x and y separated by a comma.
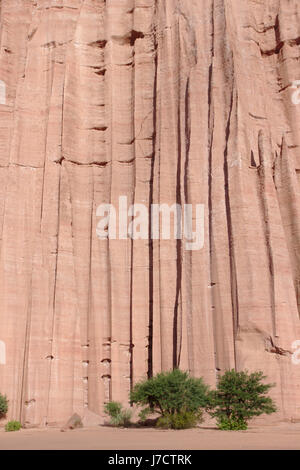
<point>162,101</point>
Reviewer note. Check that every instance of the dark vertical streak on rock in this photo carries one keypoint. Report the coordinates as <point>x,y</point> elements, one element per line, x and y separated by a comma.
<point>150,333</point>
<point>233,278</point>
<point>266,227</point>
<point>188,254</point>
<point>131,240</point>
<point>88,335</point>
<point>28,324</point>
<point>26,353</point>
<point>187,139</point>
<point>210,125</point>
<point>57,242</point>
<point>130,320</point>
<point>150,337</point>
<point>54,289</point>
<point>176,354</point>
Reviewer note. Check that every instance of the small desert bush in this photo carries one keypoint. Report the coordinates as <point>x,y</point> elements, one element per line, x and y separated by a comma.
<point>118,415</point>
<point>13,426</point>
<point>3,405</point>
<point>180,420</point>
<point>239,397</point>
<point>175,395</point>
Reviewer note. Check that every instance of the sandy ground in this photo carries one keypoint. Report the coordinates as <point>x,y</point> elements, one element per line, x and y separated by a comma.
<point>283,436</point>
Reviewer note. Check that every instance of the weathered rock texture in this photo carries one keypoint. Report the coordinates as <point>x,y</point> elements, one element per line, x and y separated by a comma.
<point>186,101</point>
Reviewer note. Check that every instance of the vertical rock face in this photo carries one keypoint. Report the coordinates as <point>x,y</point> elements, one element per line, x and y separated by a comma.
<point>161,101</point>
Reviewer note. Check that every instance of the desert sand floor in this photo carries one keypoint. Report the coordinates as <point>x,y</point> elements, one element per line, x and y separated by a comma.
<point>283,436</point>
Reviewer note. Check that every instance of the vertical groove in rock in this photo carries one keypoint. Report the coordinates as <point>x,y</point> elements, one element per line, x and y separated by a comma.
<point>233,280</point>
<point>210,126</point>
<point>178,293</point>
<point>265,215</point>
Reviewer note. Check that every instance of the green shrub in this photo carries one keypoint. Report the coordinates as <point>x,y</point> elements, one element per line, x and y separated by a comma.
<point>13,426</point>
<point>118,415</point>
<point>175,394</point>
<point>3,405</point>
<point>239,397</point>
<point>181,420</point>
<point>124,419</point>
<point>231,424</point>
<point>144,413</point>
<point>164,421</point>
<point>113,409</point>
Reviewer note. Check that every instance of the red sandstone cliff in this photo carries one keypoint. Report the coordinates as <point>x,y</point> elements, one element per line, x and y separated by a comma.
<point>163,101</point>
